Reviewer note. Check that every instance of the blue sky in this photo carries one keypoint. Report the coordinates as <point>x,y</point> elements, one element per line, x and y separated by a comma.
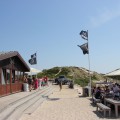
<point>52,27</point>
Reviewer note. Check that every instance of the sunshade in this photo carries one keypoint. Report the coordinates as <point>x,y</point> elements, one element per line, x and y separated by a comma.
<point>114,73</point>
<point>33,71</point>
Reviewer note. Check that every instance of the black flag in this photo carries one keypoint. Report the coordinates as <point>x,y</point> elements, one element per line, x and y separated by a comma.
<point>84,48</point>
<point>33,56</point>
<point>84,34</point>
<point>33,59</point>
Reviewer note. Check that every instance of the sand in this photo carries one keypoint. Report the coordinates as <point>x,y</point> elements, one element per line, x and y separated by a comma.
<point>67,104</point>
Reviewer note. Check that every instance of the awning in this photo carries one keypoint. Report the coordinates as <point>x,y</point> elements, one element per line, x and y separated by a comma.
<point>113,73</point>
<point>33,71</point>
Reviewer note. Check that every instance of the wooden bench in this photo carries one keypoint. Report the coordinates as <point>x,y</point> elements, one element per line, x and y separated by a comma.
<point>104,108</point>
<point>96,100</point>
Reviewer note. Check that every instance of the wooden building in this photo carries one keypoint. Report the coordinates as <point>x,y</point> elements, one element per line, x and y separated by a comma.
<point>12,69</point>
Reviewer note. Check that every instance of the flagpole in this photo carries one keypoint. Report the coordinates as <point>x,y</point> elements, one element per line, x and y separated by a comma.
<point>36,64</point>
<point>89,75</point>
<point>85,49</point>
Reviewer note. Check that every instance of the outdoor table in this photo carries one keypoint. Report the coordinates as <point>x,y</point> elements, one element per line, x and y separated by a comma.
<point>116,103</point>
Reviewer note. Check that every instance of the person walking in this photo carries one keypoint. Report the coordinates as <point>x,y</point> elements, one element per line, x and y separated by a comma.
<point>29,80</point>
<point>46,80</point>
<point>60,84</point>
<point>35,83</point>
<point>39,83</point>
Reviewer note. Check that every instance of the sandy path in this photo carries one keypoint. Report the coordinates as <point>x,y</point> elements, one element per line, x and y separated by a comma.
<point>65,105</point>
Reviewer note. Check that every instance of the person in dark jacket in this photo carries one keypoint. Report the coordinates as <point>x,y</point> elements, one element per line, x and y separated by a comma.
<point>60,84</point>
<point>29,80</point>
<point>98,93</point>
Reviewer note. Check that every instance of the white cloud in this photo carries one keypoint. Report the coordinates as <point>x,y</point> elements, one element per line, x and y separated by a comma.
<point>104,17</point>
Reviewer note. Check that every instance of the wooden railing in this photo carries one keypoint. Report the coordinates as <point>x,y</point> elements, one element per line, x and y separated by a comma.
<point>6,89</point>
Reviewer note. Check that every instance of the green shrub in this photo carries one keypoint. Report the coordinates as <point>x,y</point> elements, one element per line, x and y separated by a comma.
<point>82,82</point>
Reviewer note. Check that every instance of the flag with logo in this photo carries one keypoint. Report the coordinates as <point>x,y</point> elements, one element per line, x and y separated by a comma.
<point>33,59</point>
<point>84,48</point>
<point>84,34</point>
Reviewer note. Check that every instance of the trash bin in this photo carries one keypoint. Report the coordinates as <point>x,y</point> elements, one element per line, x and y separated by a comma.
<point>83,89</point>
<point>85,92</point>
<point>25,87</point>
<point>71,85</point>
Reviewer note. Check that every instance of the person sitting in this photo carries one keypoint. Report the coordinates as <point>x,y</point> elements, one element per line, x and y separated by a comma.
<point>116,91</point>
<point>107,90</point>
<point>98,93</point>
<point>111,92</point>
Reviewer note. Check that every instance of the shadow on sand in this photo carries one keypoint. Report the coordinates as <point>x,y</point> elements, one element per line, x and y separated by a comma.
<point>100,115</point>
<point>53,99</point>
